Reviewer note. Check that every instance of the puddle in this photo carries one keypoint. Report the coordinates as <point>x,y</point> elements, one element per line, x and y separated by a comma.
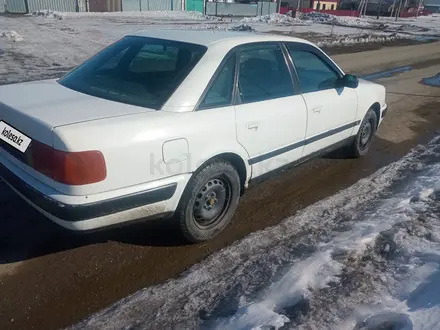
<point>427,38</point>
<point>386,73</point>
<point>432,81</point>
<point>392,321</point>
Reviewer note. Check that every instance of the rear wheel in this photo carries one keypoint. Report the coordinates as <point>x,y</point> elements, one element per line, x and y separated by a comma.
<point>209,201</point>
<point>365,135</point>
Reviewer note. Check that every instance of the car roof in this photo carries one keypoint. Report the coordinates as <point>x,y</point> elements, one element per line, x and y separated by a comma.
<point>209,37</point>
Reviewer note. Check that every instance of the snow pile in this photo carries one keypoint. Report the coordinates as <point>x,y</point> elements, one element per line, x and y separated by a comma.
<point>319,17</point>
<point>11,36</point>
<point>314,273</point>
<point>365,258</point>
<point>154,15</point>
<point>215,27</point>
<point>324,18</point>
<point>360,39</point>
<point>272,19</point>
<point>47,13</point>
<point>242,28</point>
<point>355,22</point>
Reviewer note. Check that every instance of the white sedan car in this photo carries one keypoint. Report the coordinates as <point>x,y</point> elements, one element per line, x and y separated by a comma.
<point>176,123</point>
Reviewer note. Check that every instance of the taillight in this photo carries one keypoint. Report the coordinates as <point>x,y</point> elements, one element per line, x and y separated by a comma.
<point>72,168</point>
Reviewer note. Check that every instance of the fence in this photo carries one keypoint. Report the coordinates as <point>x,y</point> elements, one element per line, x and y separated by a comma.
<point>15,6</point>
<point>240,10</point>
<point>407,14</point>
<point>58,5</point>
<point>151,5</point>
<point>23,6</point>
<point>338,12</point>
<point>104,5</point>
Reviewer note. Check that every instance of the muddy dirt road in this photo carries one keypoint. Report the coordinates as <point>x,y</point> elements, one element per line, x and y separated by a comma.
<point>50,278</point>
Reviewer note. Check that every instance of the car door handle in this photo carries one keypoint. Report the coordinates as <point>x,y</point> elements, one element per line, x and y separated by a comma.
<point>317,110</point>
<point>253,126</point>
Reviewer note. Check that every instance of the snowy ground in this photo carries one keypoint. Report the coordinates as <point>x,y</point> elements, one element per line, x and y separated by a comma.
<point>47,44</point>
<point>366,258</point>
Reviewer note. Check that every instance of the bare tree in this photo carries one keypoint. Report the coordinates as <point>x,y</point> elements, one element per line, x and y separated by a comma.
<point>393,8</point>
<point>378,10</point>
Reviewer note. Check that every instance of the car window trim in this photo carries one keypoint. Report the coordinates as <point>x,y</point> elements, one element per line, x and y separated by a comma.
<point>240,48</point>
<point>292,70</point>
<point>316,51</point>
<point>217,72</point>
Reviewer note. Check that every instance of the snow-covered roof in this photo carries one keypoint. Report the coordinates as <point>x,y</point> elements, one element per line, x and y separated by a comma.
<point>207,37</point>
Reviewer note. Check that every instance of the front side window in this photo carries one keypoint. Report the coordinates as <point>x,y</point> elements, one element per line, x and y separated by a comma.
<point>220,92</point>
<point>263,74</point>
<point>136,70</point>
<point>314,73</point>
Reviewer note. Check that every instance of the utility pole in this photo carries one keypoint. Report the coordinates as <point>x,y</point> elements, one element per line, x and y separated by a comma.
<point>398,10</point>
<point>393,8</point>
<point>378,11</point>
<point>418,8</point>
<point>400,7</point>
<point>361,7</point>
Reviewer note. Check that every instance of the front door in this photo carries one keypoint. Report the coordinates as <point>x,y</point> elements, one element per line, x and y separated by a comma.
<point>331,110</point>
<point>270,114</point>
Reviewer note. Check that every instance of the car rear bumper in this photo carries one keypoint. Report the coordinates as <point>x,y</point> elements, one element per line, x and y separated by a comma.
<point>158,201</point>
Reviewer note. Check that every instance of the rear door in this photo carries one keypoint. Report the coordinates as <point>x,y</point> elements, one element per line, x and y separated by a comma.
<point>270,112</point>
<point>331,110</point>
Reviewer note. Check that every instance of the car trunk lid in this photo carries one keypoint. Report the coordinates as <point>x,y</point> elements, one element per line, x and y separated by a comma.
<point>35,108</point>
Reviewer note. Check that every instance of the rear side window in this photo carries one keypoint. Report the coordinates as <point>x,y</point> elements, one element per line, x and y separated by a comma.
<point>136,70</point>
<point>220,92</point>
<point>313,71</point>
<point>263,74</point>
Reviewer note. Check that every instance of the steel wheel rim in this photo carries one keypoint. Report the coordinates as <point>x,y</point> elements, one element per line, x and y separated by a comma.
<point>366,134</point>
<point>212,202</point>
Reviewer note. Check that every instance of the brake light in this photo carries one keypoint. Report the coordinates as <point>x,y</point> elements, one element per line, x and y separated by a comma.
<point>72,168</point>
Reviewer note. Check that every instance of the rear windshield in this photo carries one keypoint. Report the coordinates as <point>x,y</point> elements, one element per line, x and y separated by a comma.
<point>136,70</point>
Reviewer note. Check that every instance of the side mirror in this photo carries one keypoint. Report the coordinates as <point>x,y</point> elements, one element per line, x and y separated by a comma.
<point>349,81</point>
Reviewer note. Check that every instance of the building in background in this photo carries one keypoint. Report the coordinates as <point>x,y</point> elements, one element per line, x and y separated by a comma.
<point>325,4</point>
<point>432,5</point>
<point>294,4</point>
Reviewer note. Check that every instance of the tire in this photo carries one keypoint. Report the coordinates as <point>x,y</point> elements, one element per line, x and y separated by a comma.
<point>212,192</point>
<point>364,137</point>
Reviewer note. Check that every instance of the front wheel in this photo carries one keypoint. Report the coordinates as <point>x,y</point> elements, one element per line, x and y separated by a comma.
<point>209,201</point>
<point>365,135</point>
